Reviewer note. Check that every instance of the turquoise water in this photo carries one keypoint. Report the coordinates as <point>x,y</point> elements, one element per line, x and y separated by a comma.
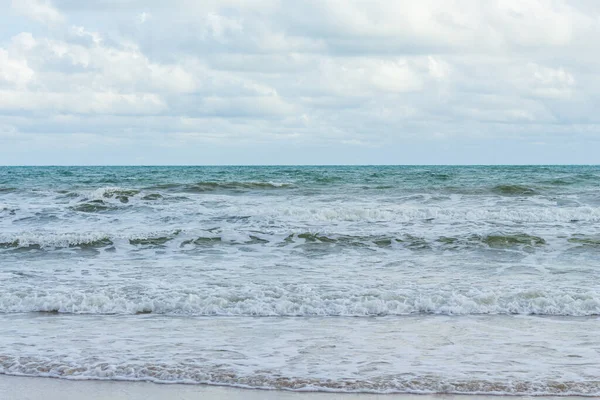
<point>479,279</point>
<point>394,178</point>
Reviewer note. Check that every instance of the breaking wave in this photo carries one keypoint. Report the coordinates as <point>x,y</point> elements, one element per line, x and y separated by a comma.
<point>305,301</point>
<point>514,190</point>
<point>193,373</point>
<point>50,241</point>
<point>215,186</point>
<point>410,214</point>
<point>182,240</point>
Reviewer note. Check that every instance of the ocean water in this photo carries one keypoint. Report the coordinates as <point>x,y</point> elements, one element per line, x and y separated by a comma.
<point>360,279</point>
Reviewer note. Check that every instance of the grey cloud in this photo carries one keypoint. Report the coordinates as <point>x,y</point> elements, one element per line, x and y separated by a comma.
<point>358,75</point>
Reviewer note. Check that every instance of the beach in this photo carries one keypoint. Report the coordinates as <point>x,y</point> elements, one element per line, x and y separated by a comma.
<point>25,388</point>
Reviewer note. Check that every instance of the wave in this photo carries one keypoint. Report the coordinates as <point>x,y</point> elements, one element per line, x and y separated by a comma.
<point>182,240</point>
<point>37,241</point>
<point>560,182</point>
<point>153,240</point>
<point>514,190</point>
<point>292,214</point>
<point>8,211</point>
<point>296,301</point>
<point>122,195</point>
<point>92,206</point>
<point>413,214</point>
<point>502,190</point>
<point>50,241</point>
<point>585,240</point>
<point>102,199</point>
<point>195,373</point>
<point>152,196</point>
<point>109,198</point>
<point>498,240</point>
<point>505,241</point>
<point>440,176</point>
<point>212,186</point>
<point>328,179</point>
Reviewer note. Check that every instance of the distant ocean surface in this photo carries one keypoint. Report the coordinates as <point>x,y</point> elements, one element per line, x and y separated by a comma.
<point>354,279</point>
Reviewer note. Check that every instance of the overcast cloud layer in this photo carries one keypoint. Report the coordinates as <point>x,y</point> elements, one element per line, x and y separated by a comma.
<point>299,82</point>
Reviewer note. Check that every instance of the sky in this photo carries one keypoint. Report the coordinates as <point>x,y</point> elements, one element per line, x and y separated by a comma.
<point>207,82</point>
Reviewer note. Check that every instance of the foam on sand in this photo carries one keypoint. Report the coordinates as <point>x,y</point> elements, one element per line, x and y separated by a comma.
<point>24,388</point>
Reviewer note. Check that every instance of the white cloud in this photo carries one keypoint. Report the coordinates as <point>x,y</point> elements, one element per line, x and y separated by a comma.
<point>143,17</point>
<point>363,77</point>
<point>8,132</point>
<point>99,67</point>
<point>84,102</point>
<point>219,26</point>
<point>438,69</point>
<point>23,42</point>
<point>39,10</point>
<point>551,82</point>
<point>394,76</point>
<point>536,22</point>
<point>81,32</point>
<point>14,71</point>
<point>308,72</point>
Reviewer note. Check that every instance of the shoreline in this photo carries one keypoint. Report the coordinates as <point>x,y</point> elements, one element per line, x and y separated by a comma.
<point>30,388</point>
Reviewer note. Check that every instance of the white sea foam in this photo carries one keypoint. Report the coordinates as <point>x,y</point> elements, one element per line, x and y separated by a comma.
<point>282,301</point>
<point>411,213</point>
<point>186,374</point>
<point>498,354</point>
<point>51,240</point>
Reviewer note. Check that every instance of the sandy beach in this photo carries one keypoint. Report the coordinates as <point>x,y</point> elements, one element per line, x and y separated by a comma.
<point>26,388</point>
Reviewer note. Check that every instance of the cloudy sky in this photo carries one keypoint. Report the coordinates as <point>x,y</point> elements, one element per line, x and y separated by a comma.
<point>299,81</point>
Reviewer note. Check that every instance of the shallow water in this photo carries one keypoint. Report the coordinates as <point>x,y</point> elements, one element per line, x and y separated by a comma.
<point>381,279</point>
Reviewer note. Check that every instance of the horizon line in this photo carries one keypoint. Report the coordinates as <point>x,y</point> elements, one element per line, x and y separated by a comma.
<point>294,165</point>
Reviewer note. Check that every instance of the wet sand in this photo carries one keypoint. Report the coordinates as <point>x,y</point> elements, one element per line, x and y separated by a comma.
<point>26,388</point>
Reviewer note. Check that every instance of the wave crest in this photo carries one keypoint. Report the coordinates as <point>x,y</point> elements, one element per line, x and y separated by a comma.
<point>295,301</point>
<point>193,373</point>
<point>514,190</point>
<point>212,186</point>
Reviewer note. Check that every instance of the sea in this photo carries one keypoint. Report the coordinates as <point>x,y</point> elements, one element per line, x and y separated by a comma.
<point>378,279</point>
